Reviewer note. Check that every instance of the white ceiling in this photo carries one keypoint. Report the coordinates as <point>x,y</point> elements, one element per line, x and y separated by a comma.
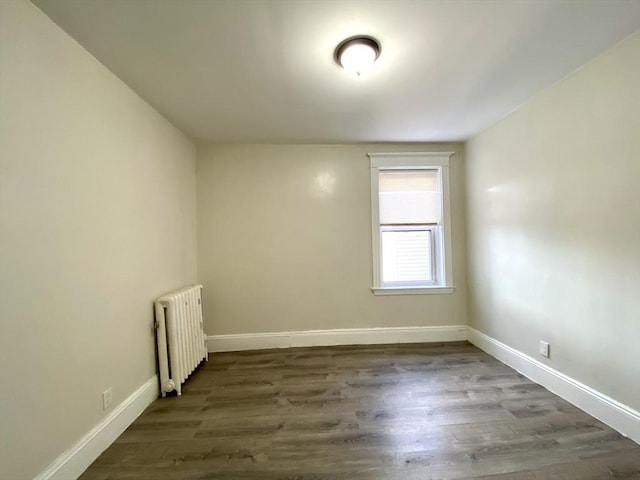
<point>263,70</point>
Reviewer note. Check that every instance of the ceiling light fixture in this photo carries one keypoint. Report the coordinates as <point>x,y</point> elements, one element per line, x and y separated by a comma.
<point>357,54</point>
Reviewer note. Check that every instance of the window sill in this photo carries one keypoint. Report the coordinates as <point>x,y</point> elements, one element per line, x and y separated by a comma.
<point>412,290</point>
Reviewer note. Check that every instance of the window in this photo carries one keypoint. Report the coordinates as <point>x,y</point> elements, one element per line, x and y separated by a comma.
<point>411,224</point>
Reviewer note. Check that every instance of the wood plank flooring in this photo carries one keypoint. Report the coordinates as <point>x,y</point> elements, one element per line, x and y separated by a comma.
<point>382,412</point>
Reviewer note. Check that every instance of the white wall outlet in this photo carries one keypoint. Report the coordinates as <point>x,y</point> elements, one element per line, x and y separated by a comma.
<point>107,398</point>
<point>544,348</point>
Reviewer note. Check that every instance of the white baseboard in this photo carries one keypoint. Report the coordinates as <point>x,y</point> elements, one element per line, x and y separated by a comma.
<point>622,418</point>
<point>77,459</point>
<point>350,336</point>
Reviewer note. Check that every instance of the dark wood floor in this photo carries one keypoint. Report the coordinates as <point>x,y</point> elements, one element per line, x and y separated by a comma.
<point>384,412</point>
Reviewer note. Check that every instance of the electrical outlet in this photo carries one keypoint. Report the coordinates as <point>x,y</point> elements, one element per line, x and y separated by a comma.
<point>107,398</point>
<point>544,348</point>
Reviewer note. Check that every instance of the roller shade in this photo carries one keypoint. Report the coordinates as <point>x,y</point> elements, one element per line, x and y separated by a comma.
<point>409,197</point>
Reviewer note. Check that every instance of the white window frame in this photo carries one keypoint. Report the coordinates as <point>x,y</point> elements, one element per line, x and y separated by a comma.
<point>442,246</point>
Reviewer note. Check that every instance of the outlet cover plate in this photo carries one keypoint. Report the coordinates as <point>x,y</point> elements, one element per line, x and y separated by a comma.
<point>107,398</point>
<point>544,348</point>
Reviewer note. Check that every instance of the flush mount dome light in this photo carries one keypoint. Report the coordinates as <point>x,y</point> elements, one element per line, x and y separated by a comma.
<point>357,54</point>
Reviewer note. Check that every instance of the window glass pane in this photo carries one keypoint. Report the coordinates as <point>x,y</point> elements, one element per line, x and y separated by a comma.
<point>410,196</point>
<point>406,256</point>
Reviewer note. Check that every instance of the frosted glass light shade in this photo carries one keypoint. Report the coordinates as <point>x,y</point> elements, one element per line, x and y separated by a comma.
<point>358,54</point>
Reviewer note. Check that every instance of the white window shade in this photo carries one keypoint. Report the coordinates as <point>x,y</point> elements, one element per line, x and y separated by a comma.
<point>410,197</point>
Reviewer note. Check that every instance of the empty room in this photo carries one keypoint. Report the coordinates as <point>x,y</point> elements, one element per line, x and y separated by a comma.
<point>319,239</point>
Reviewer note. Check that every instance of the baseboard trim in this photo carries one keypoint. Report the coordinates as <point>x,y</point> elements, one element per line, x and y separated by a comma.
<point>621,417</point>
<point>77,459</point>
<point>347,336</point>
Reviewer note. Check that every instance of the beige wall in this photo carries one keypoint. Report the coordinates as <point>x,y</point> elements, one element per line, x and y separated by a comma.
<point>554,225</point>
<point>97,217</point>
<point>284,241</point>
